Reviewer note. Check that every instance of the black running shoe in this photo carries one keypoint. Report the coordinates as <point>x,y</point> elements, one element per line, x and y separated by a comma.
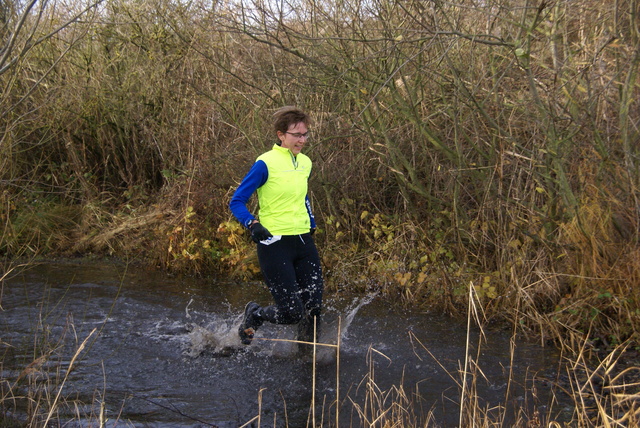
<point>250,323</point>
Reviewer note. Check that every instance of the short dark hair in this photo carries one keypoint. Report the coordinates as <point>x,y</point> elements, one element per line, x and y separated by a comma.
<point>287,116</point>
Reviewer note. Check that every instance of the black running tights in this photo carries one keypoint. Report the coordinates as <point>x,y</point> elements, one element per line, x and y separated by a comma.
<point>292,272</point>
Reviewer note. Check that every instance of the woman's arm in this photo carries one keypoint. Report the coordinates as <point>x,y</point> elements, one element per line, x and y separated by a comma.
<point>255,178</point>
<point>312,219</point>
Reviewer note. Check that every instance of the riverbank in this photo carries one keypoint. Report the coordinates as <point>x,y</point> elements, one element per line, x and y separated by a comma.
<point>541,288</point>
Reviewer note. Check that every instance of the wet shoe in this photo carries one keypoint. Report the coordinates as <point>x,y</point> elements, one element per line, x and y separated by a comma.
<point>250,323</point>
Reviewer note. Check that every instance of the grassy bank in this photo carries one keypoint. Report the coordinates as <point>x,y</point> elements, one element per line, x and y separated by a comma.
<point>488,145</point>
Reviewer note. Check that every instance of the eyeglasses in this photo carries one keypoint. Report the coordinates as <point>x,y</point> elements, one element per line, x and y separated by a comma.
<point>298,135</point>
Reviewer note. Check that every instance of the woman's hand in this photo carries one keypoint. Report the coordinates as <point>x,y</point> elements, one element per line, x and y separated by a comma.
<point>259,232</point>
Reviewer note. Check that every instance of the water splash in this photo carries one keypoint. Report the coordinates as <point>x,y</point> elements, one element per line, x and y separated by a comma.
<point>221,336</point>
<point>329,333</point>
<point>356,305</point>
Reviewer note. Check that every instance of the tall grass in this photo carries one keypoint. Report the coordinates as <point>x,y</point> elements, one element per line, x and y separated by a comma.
<point>37,394</point>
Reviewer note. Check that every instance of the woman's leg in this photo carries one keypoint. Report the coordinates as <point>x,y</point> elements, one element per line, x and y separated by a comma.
<point>311,285</point>
<point>277,264</point>
<point>308,273</point>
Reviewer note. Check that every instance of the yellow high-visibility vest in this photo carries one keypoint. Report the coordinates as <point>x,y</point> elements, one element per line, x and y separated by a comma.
<point>283,210</point>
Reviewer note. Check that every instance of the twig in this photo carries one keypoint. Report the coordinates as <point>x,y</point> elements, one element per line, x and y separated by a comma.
<point>66,376</point>
<point>174,409</point>
<point>328,345</point>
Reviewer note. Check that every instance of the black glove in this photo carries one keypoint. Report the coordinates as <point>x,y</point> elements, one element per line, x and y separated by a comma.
<point>312,231</point>
<point>259,232</point>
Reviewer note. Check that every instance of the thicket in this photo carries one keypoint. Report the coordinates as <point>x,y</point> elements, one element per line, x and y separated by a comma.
<point>489,144</point>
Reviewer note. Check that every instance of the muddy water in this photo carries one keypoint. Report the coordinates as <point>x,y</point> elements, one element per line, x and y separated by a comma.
<point>164,353</point>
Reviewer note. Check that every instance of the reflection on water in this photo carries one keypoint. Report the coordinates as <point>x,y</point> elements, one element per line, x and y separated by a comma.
<point>166,353</point>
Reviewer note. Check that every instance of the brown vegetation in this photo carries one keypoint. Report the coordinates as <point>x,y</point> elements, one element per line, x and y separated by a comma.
<point>491,144</point>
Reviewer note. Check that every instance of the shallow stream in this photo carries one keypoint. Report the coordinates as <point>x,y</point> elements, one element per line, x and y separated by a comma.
<point>162,351</point>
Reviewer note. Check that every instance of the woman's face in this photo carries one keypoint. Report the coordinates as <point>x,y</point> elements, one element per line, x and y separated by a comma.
<point>295,137</point>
